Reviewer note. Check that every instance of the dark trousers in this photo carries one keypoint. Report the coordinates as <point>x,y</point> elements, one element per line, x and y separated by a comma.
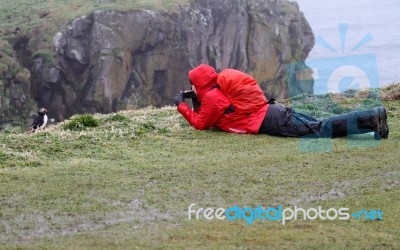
<point>284,121</point>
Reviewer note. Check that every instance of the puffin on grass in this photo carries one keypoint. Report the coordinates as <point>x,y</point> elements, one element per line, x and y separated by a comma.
<point>40,121</point>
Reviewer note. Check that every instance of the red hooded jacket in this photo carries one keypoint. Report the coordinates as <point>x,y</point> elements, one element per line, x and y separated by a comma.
<point>214,103</point>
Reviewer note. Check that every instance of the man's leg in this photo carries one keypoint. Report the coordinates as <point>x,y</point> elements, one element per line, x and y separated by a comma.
<point>283,121</point>
<point>356,122</point>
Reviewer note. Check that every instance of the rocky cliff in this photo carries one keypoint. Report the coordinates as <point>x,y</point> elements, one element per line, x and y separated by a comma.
<point>112,60</point>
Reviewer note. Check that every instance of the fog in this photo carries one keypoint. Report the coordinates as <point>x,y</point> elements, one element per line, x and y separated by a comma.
<point>376,22</point>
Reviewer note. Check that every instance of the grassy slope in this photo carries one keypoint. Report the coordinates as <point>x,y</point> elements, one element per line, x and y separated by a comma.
<point>128,183</point>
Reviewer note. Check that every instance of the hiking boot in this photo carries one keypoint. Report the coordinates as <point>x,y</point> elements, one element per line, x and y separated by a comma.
<point>383,126</point>
<point>357,122</point>
<point>370,120</point>
<point>377,122</point>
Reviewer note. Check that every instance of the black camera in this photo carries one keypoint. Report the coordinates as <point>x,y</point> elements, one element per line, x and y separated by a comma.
<point>187,94</point>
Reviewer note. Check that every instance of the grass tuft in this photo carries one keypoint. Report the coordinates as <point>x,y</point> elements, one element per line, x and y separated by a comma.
<point>118,118</point>
<point>81,122</point>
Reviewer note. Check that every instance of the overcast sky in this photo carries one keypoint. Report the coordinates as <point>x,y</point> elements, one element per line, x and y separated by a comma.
<point>379,18</point>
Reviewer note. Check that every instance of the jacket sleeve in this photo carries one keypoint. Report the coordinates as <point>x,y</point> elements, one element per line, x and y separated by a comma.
<point>211,109</point>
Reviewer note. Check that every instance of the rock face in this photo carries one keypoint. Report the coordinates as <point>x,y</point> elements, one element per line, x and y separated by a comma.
<point>16,104</point>
<point>262,38</point>
<point>113,60</point>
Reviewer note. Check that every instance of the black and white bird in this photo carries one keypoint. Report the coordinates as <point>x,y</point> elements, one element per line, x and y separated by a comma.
<point>40,121</point>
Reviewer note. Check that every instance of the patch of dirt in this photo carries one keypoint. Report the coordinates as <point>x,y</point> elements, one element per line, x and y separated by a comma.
<point>28,226</point>
<point>44,14</point>
<point>389,180</point>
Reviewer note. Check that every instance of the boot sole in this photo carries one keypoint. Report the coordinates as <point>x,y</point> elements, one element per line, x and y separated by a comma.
<point>383,126</point>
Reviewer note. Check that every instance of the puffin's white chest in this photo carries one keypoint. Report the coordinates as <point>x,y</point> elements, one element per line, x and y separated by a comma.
<point>45,119</point>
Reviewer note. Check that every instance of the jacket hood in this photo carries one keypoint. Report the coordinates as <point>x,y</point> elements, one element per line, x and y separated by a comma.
<point>203,77</point>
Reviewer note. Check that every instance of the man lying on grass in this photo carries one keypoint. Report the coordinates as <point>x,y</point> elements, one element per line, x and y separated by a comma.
<point>232,101</point>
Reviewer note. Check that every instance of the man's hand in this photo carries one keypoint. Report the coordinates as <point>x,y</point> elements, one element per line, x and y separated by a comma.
<point>178,99</point>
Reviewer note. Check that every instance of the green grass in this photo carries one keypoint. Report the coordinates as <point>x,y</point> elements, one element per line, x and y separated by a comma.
<point>128,183</point>
<point>81,122</point>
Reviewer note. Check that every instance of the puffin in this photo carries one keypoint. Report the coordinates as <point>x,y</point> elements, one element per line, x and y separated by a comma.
<point>40,121</point>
